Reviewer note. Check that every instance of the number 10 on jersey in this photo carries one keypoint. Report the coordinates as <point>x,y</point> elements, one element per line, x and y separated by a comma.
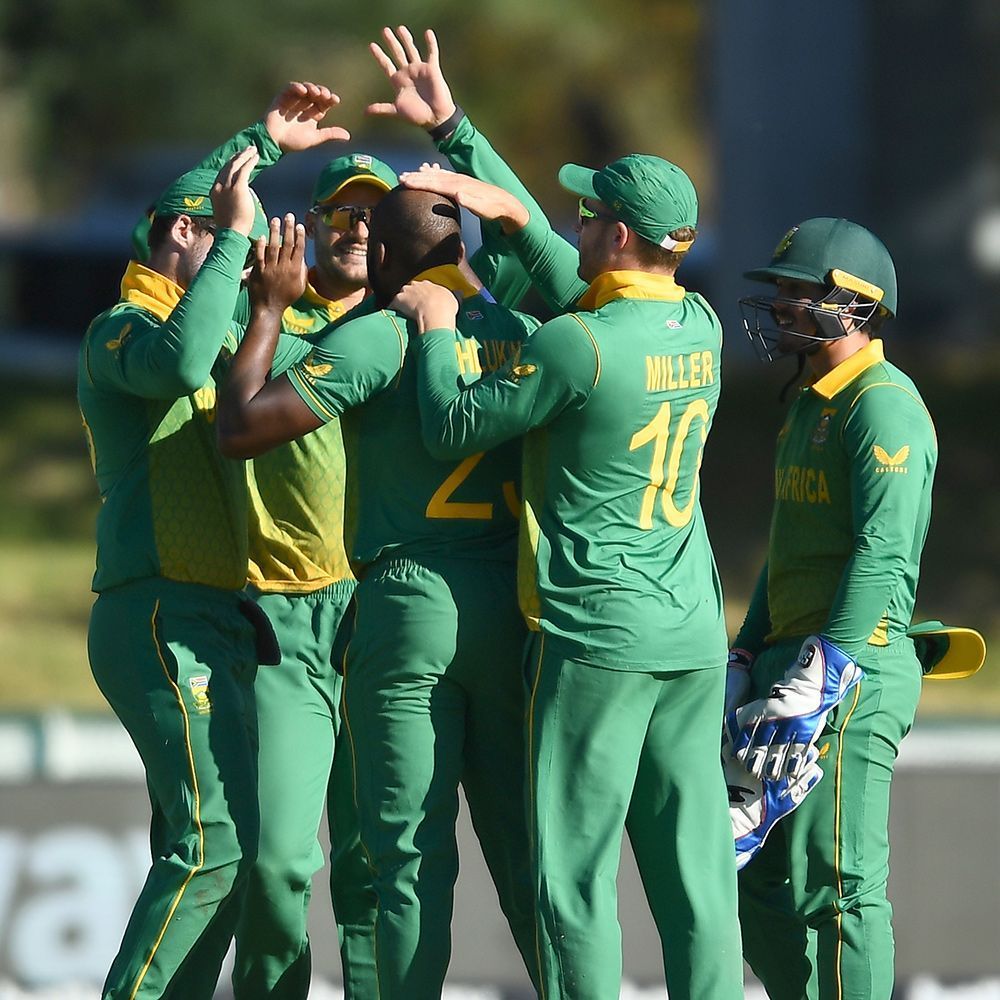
<point>664,469</point>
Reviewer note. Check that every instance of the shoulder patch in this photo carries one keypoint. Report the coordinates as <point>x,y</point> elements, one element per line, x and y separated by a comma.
<point>116,342</point>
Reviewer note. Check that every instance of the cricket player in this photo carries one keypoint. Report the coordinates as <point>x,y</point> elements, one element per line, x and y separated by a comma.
<point>853,473</point>
<point>171,642</point>
<point>617,581</point>
<point>432,681</point>
<point>300,576</point>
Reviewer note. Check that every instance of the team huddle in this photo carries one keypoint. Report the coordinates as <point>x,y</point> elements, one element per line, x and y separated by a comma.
<point>369,533</point>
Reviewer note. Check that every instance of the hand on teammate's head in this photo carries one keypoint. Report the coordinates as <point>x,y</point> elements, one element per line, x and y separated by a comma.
<point>233,205</point>
<point>278,277</point>
<point>423,97</point>
<point>294,117</point>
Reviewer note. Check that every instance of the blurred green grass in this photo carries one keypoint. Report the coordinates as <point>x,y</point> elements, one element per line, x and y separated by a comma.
<point>48,505</point>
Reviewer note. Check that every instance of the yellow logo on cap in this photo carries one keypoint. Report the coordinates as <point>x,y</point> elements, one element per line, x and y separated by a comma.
<point>194,202</point>
<point>786,242</point>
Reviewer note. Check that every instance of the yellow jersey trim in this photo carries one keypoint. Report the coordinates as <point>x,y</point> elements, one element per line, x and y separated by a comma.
<point>848,370</point>
<point>902,388</point>
<point>150,290</point>
<point>334,307</point>
<point>597,350</point>
<point>199,864</point>
<point>449,276</point>
<point>307,389</point>
<point>630,285</point>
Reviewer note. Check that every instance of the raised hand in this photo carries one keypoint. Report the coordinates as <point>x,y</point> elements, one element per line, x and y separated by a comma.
<point>233,205</point>
<point>293,119</point>
<point>484,200</point>
<point>423,97</point>
<point>279,274</point>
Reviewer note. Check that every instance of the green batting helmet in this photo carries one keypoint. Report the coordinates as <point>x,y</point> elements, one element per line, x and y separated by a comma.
<point>849,262</point>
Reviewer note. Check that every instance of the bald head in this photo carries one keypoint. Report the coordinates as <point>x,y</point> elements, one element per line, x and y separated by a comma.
<point>410,232</point>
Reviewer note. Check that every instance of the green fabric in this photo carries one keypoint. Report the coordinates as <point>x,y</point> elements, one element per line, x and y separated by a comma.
<point>815,918</point>
<point>399,499</point>
<point>270,153</point>
<point>652,196</point>
<point>554,275</point>
<point>853,481</point>
<point>757,624</point>
<point>615,564</point>
<point>297,491</point>
<point>172,505</point>
<point>176,663</point>
<point>608,751</point>
<point>433,696</point>
<point>353,167</point>
<point>298,720</point>
<point>813,249</point>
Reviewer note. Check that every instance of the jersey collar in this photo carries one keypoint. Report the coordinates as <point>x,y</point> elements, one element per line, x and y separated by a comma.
<point>334,308</point>
<point>630,285</point>
<point>150,290</point>
<point>449,276</point>
<point>848,370</point>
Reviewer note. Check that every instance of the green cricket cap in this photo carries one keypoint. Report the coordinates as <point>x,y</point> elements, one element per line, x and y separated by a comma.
<point>834,253</point>
<point>652,196</point>
<point>353,168</point>
<point>190,195</point>
<point>947,652</point>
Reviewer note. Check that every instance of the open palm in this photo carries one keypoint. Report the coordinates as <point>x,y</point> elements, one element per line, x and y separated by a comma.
<point>423,97</point>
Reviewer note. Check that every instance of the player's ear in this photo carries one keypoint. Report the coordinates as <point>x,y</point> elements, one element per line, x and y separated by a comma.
<point>622,235</point>
<point>182,232</point>
<point>310,223</point>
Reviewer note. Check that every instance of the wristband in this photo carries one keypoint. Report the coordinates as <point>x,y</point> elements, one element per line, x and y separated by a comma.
<point>448,126</point>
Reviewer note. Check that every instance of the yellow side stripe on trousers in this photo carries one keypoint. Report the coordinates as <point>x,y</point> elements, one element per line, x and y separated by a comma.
<point>199,864</point>
<point>836,845</point>
<point>534,803</point>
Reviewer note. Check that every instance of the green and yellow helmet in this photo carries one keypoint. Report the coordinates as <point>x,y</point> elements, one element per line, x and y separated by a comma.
<point>850,263</point>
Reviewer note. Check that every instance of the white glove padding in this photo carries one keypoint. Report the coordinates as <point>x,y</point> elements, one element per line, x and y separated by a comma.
<point>774,733</point>
<point>737,679</point>
<point>755,806</point>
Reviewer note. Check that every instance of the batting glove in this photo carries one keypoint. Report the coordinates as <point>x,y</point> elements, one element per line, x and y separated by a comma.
<point>773,734</point>
<point>755,806</point>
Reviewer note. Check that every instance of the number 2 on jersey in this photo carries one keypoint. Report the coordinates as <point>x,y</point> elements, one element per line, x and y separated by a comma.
<point>667,468</point>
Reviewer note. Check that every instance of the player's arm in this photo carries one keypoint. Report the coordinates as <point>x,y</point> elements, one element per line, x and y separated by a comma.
<point>291,123</point>
<point>176,358</point>
<point>557,368</point>
<point>892,448</point>
<point>256,413</point>
<point>423,98</point>
<point>347,365</point>
<point>747,645</point>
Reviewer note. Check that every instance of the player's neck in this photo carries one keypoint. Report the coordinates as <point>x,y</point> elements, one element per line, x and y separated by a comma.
<point>836,352</point>
<point>347,293</point>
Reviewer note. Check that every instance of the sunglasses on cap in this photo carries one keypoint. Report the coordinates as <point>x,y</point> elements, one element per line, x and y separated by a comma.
<point>587,213</point>
<point>344,216</point>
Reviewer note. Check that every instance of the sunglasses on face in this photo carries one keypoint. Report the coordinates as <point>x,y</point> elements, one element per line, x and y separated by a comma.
<point>344,216</point>
<point>587,213</point>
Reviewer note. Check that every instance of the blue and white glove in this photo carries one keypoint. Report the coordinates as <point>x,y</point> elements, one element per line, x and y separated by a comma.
<point>755,806</point>
<point>774,734</point>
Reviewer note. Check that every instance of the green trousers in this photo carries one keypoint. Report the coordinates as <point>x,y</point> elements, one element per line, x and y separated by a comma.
<point>815,917</point>
<point>433,698</point>
<point>298,719</point>
<point>613,750</point>
<point>176,663</point>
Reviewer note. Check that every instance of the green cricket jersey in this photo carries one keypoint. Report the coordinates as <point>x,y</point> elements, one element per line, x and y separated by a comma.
<point>400,500</point>
<point>297,489</point>
<point>172,506</point>
<point>853,474</point>
<point>616,403</point>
